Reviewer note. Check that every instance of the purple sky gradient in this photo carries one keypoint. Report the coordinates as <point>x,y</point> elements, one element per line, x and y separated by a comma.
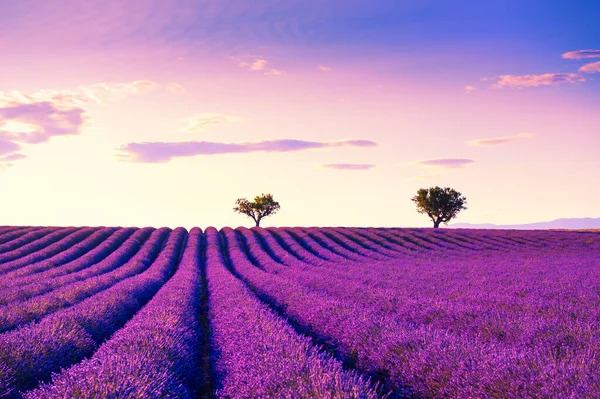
<point>498,99</point>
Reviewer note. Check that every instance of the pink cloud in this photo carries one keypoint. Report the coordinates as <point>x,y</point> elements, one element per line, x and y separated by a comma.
<point>275,72</point>
<point>469,89</point>
<point>494,141</point>
<point>7,146</point>
<point>6,161</point>
<point>156,152</point>
<point>258,65</point>
<point>324,68</point>
<point>592,67</point>
<point>45,117</point>
<point>32,118</point>
<point>448,163</point>
<point>61,98</point>
<point>98,93</point>
<point>349,166</point>
<point>547,79</point>
<point>576,55</point>
<point>33,123</point>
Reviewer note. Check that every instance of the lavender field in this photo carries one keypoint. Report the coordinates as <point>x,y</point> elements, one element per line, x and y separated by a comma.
<point>110,312</point>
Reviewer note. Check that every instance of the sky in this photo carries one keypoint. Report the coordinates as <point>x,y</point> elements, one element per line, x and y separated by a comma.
<point>164,112</point>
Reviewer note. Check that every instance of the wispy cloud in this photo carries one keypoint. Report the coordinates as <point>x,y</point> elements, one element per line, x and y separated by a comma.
<point>8,146</point>
<point>494,141</point>
<point>349,166</point>
<point>260,64</point>
<point>274,71</point>
<point>592,67</point>
<point>176,88</point>
<point>97,93</point>
<point>34,123</point>
<point>204,121</point>
<point>447,163</point>
<point>469,89</point>
<point>324,68</point>
<point>579,54</point>
<point>154,152</point>
<point>547,79</point>
<point>102,93</point>
<point>33,118</point>
<point>7,160</point>
<point>61,98</point>
<point>45,120</point>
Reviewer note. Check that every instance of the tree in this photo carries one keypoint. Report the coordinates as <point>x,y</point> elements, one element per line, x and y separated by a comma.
<point>262,206</point>
<point>440,204</point>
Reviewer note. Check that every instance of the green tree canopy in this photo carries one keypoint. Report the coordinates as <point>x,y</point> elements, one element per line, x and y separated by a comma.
<point>440,204</point>
<point>262,206</point>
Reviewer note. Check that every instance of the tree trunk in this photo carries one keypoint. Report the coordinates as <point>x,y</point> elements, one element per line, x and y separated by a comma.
<point>258,223</point>
<point>436,224</point>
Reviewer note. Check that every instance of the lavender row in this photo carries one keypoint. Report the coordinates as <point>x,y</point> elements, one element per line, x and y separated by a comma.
<point>414,291</point>
<point>477,243</point>
<point>272,256</point>
<point>47,250</point>
<point>395,282</point>
<point>401,247</point>
<point>322,245</point>
<point>372,241</point>
<point>305,248</point>
<point>45,276</point>
<point>31,240</point>
<point>339,245</point>
<point>433,362</point>
<point>421,240</point>
<point>336,240</point>
<point>71,253</point>
<point>133,259</point>
<point>340,252</point>
<point>13,232</point>
<point>259,354</point>
<point>261,242</point>
<point>66,337</point>
<point>287,248</point>
<point>156,354</point>
<point>6,229</point>
<point>294,247</point>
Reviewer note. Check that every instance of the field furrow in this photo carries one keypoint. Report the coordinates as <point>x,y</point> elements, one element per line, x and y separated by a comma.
<point>72,252</point>
<point>48,249</point>
<point>343,252</point>
<point>156,354</point>
<point>66,337</point>
<point>27,242</point>
<point>259,354</point>
<point>16,233</point>
<point>134,260</point>
<point>336,240</point>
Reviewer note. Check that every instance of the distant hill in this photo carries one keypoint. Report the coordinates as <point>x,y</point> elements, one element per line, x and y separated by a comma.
<point>573,223</point>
